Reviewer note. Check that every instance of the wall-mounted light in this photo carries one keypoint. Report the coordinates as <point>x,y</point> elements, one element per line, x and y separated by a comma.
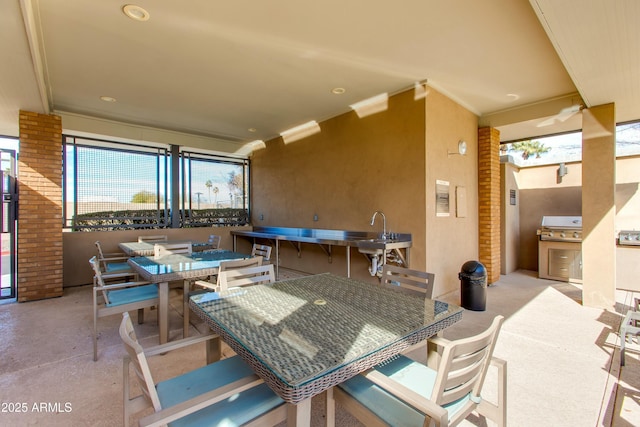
<point>462,149</point>
<point>562,171</point>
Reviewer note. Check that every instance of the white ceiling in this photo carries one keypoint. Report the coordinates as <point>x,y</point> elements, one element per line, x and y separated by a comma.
<point>218,69</point>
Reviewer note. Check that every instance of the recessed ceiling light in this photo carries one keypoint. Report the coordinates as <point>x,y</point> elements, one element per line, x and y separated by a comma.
<point>513,96</point>
<point>252,130</point>
<point>338,90</point>
<point>135,12</point>
<point>107,99</point>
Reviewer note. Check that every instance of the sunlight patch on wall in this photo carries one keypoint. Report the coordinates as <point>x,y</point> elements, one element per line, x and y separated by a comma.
<point>299,132</point>
<point>250,147</point>
<point>371,106</point>
<point>420,91</point>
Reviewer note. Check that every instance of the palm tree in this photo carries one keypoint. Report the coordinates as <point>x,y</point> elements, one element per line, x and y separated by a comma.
<point>216,190</point>
<point>530,148</point>
<point>209,184</point>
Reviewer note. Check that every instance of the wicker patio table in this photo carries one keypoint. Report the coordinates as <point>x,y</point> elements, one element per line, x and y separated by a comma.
<point>178,267</point>
<point>305,335</point>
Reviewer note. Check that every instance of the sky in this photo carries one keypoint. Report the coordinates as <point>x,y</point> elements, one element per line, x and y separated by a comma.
<point>568,147</point>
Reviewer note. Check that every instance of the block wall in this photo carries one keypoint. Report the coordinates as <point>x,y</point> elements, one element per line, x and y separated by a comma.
<point>489,201</point>
<point>40,264</point>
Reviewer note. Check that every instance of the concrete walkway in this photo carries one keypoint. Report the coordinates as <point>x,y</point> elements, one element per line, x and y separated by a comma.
<point>563,359</point>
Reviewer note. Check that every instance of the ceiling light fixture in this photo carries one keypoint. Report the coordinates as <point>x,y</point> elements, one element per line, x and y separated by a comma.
<point>107,99</point>
<point>252,130</point>
<point>135,12</point>
<point>338,90</point>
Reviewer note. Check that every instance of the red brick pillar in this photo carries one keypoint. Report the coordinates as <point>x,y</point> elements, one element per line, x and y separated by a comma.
<point>39,207</point>
<point>489,201</point>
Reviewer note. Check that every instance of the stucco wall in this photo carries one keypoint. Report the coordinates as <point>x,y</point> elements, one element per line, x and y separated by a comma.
<point>387,161</point>
<point>450,240</point>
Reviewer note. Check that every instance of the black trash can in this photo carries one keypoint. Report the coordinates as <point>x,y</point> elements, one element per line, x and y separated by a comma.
<point>473,286</point>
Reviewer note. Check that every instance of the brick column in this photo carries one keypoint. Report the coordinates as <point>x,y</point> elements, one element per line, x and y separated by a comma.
<point>489,201</point>
<point>39,207</point>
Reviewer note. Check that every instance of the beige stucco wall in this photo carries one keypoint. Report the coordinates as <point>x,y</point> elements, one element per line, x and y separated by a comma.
<point>387,161</point>
<point>451,240</point>
<point>80,246</point>
<point>628,193</point>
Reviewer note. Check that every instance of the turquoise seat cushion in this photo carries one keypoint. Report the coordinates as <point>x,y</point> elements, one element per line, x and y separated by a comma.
<point>386,406</point>
<point>117,267</point>
<point>234,411</point>
<point>128,295</point>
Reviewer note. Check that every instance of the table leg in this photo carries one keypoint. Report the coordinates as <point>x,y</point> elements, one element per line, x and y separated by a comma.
<point>299,415</point>
<point>214,350</point>
<point>163,311</point>
<point>331,408</point>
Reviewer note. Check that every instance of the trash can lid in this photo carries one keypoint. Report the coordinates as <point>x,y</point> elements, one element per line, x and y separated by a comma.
<point>473,268</point>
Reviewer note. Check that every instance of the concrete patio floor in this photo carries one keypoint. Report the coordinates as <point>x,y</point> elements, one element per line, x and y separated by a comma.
<point>563,359</point>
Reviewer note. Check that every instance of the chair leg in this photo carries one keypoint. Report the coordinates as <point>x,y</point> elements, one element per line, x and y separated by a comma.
<point>497,413</point>
<point>125,391</point>
<point>140,316</point>
<point>95,325</point>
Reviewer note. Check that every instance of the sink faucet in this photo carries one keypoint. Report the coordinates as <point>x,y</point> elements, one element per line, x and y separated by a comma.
<point>384,223</point>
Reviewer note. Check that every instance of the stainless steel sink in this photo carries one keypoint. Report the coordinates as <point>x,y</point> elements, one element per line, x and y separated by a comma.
<point>378,246</point>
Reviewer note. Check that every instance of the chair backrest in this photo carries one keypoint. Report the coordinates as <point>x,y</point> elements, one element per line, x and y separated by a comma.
<point>214,241</point>
<point>162,249</point>
<point>255,261</point>
<point>464,365</point>
<point>412,280</point>
<point>152,239</point>
<point>100,255</point>
<point>261,250</point>
<point>246,276</point>
<point>99,247</point>
<point>97,275</point>
<point>139,360</point>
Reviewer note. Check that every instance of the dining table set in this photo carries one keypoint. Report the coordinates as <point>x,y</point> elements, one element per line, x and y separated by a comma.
<point>304,335</point>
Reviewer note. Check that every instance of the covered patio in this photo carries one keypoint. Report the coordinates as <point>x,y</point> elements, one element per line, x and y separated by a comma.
<point>563,358</point>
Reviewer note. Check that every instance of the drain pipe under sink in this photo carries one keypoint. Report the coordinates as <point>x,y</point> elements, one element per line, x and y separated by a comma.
<point>373,269</point>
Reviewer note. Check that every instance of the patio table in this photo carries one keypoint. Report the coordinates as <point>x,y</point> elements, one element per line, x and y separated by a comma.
<point>146,248</point>
<point>176,267</point>
<point>305,335</point>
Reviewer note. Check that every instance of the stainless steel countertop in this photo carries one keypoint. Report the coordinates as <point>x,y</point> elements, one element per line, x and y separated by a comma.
<point>328,237</point>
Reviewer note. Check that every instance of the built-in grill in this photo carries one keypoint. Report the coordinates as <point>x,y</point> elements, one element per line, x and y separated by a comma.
<point>560,248</point>
<point>561,228</point>
<point>629,238</point>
